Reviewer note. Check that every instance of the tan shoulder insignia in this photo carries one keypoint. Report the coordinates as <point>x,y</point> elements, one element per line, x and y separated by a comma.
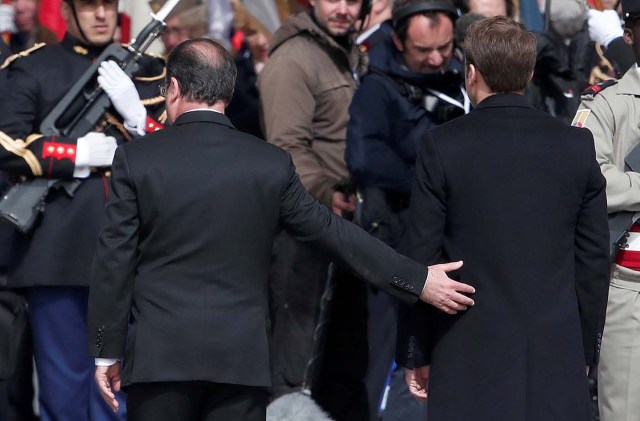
<point>24,53</point>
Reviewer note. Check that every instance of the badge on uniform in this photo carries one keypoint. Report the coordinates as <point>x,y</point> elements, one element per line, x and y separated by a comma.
<point>580,118</point>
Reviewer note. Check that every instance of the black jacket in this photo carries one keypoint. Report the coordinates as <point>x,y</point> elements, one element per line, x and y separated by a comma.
<point>186,250</point>
<point>519,197</point>
<point>60,247</point>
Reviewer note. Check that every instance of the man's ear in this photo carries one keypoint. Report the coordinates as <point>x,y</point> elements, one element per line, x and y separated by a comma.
<point>173,90</point>
<point>397,42</point>
<point>65,10</point>
<point>471,74</point>
<point>628,35</point>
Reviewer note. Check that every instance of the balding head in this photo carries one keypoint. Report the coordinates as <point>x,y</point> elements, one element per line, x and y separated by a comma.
<point>204,71</point>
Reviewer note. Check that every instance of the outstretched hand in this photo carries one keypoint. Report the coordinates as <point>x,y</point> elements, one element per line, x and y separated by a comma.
<point>443,292</point>
<point>417,381</point>
<point>108,381</point>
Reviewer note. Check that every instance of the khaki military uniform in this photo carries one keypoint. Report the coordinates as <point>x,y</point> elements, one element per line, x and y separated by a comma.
<point>612,112</point>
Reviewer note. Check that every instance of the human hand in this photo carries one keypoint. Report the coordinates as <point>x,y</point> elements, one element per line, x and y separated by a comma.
<point>123,95</point>
<point>443,292</point>
<point>108,381</point>
<point>95,150</point>
<point>340,203</point>
<point>418,382</point>
<point>604,26</point>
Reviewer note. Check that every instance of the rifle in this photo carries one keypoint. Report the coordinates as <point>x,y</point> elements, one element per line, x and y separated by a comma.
<point>77,113</point>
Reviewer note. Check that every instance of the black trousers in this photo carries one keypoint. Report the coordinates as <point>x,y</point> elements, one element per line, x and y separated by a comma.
<point>195,401</point>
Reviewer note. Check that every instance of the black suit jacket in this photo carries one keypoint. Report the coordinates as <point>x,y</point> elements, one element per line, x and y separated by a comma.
<point>519,197</point>
<point>185,254</point>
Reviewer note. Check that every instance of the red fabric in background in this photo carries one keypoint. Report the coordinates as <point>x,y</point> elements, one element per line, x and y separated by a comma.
<point>51,17</point>
<point>125,28</point>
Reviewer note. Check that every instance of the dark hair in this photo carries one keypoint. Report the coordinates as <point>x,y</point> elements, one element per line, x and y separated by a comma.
<point>503,51</point>
<point>204,70</point>
<point>404,10</point>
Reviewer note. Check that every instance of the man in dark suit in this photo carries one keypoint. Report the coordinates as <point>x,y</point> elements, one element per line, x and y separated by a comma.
<point>520,198</point>
<point>184,257</point>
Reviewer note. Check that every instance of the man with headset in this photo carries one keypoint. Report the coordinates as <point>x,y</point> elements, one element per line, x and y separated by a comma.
<point>414,83</point>
<point>305,90</point>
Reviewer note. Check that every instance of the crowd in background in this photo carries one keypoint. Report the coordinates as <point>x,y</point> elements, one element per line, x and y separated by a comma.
<point>351,114</point>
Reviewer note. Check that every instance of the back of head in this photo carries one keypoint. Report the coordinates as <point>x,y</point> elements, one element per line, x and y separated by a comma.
<point>403,10</point>
<point>204,69</point>
<point>502,51</point>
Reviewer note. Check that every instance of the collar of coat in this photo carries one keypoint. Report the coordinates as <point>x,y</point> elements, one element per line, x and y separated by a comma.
<point>629,84</point>
<point>504,100</point>
<point>207,116</point>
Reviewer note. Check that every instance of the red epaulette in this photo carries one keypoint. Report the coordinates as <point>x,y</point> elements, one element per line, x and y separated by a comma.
<point>153,125</point>
<point>596,89</point>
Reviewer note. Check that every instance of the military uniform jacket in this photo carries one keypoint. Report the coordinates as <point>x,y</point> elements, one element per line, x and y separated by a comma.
<point>190,273</point>
<point>60,247</point>
<point>612,113</point>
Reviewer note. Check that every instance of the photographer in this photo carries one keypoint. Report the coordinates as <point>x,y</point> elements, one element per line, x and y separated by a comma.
<point>414,83</point>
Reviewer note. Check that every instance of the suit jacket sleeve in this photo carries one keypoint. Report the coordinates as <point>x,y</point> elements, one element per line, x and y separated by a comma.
<point>423,243</point>
<point>113,270</point>
<point>347,244</point>
<point>592,259</point>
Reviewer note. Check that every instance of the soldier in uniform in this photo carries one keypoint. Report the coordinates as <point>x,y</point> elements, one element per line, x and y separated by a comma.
<point>611,110</point>
<point>52,262</point>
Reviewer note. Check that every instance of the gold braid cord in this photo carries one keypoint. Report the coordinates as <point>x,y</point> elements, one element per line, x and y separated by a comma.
<point>24,53</point>
<point>602,70</point>
<point>19,147</point>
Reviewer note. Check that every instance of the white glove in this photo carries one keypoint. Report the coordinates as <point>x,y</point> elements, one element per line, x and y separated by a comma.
<point>93,150</point>
<point>6,18</point>
<point>604,27</point>
<point>123,95</point>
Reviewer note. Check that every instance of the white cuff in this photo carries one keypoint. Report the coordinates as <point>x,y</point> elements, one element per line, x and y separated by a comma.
<point>81,172</point>
<point>82,154</point>
<point>105,362</point>
<point>137,129</point>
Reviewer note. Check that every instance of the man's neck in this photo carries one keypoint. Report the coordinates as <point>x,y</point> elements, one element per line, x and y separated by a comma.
<point>188,106</point>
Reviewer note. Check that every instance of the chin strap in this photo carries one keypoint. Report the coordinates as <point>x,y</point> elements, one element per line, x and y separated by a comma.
<point>72,4</point>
